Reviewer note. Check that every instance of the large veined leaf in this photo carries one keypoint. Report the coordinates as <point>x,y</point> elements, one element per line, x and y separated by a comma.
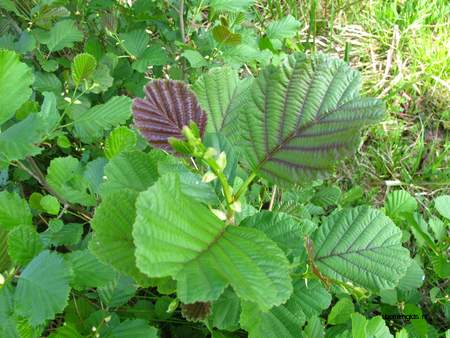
<point>168,106</point>
<point>43,288</point>
<point>179,237</point>
<point>302,116</point>
<point>91,124</point>
<point>221,93</point>
<point>363,246</point>
<point>225,311</point>
<point>286,320</point>
<point>15,81</point>
<point>281,228</point>
<point>14,210</point>
<point>63,34</point>
<point>112,242</point>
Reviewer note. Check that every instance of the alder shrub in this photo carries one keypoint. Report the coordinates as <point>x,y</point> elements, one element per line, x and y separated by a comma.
<point>177,222</point>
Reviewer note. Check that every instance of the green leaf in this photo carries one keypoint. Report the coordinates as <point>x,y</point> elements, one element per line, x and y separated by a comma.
<point>102,79</point>
<point>42,288</point>
<point>135,42</point>
<point>399,204</point>
<point>191,184</point>
<point>134,171</point>
<point>88,271</point>
<point>132,329</point>
<point>280,228</point>
<point>15,81</point>
<point>22,139</point>
<point>230,5</point>
<point>326,196</point>
<point>154,55</point>
<point>118,291</point>
<point>50,204</point>
<point>341,311</point>
<point>45,82</point>
<point>442,205</point>
<point>373,328</point>
<point>361,245</point>
<point>62,35</point>
<point>196,60</point>
<point>286,27</point>
<point>112,242</point>
<point>66,331</point>
<point>285,320</point>
<point>14,210</point>
<point>4,258</point>
<point>83,66</point>
<point>224,36</point>
<point>303,116</point>
<point>119,140</point>
<point>314,328</point>
<point>24,244</point>
<point>203,254</point>
<point>221,94</point>
<point>413,278</point>
<point>65,176</point>
<point>60,234</point>
<point>226,311</point>
<point>91,124</point>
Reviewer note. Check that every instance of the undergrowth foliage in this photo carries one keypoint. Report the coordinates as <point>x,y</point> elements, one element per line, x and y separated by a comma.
<point>129,212</point>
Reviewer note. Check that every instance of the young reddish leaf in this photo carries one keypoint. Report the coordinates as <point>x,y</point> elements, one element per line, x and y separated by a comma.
<point>167,107</point>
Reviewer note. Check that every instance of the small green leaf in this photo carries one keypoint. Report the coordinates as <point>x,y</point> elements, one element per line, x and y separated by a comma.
<point>224,36</point>
<point>14,211</point>
<point>196,60</point>
<point>15,81</point>
<point>442,205</point>
<point>42,288</point>
<point>134,171</point>
<point>132,328</point>
<point>286,27</point>
<point>341,311</point>
<point>24,244</point>
<point>399,204</point>
<point>50,204</point>
<point>59,234</point>
<point>65,176</point>
<point>88,271</point>
<point>154,55</point>
<point>62,35</point>
<point>135,42</point>
<point>83,66</point>
<point>286,320</point>
<point>118,291</point>
<point>119,140</point>
<point>226,311</point>
<point>91,124</point>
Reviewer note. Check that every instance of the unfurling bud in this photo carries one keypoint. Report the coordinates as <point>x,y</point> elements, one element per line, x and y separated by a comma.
<point>208,177</point>
<point>222,161</point>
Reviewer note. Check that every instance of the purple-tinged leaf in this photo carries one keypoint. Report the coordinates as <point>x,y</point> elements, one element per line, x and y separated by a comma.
<point>167,107</point>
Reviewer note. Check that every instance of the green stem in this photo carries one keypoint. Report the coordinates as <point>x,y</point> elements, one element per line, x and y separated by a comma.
<point>243,188</point>
<point>223,181</point>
